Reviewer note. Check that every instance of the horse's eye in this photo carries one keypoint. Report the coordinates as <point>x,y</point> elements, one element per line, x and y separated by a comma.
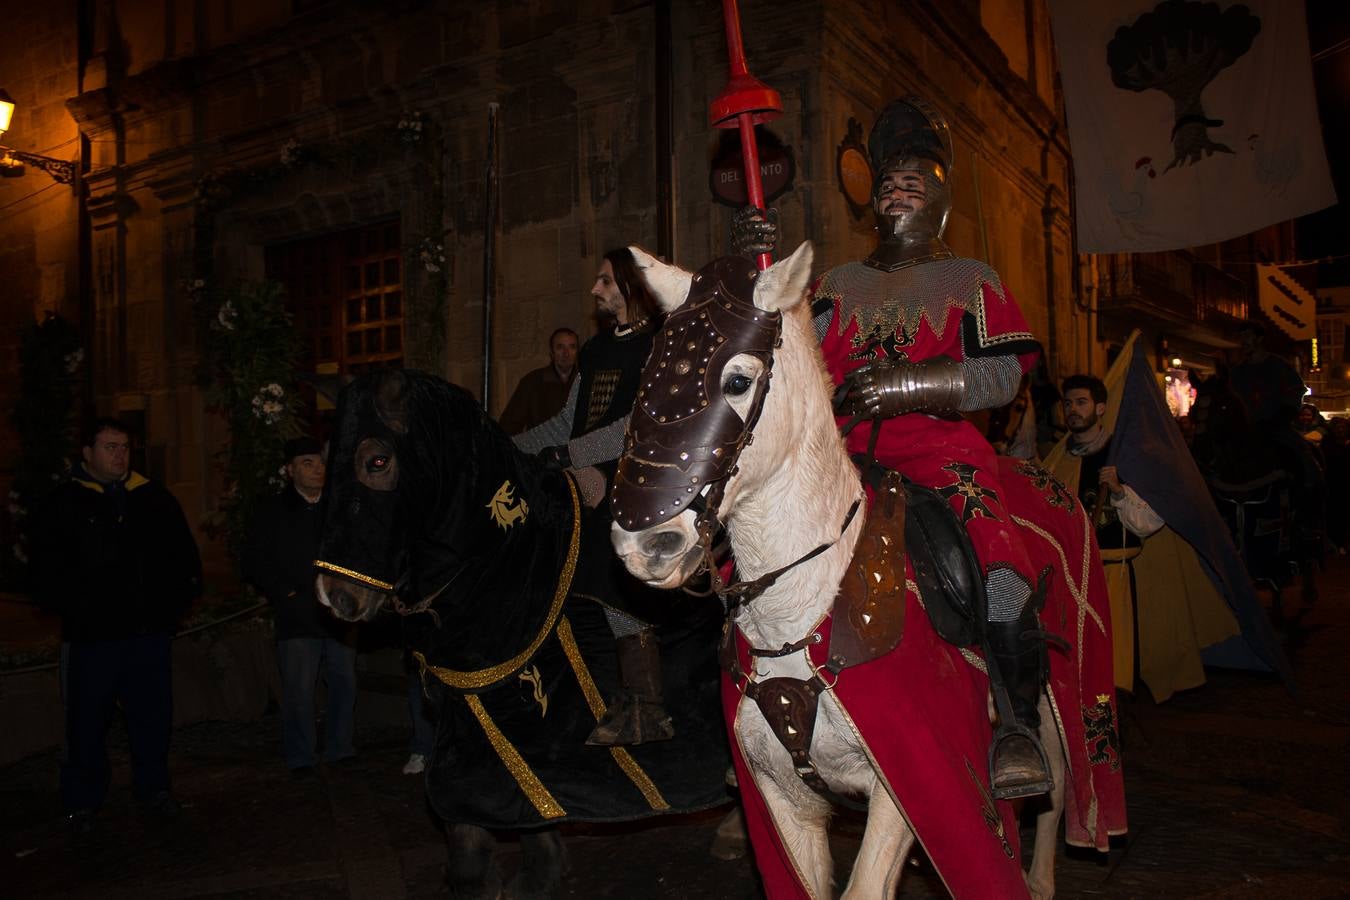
<point>737,385</point>
<point>377,464</point>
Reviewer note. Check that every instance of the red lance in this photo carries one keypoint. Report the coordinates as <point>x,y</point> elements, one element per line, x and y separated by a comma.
<point>744,103</point>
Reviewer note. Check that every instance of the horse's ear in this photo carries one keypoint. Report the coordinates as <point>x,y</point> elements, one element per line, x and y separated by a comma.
<point>391,400</point>
<point>782,286</point>
<point>669,285</point>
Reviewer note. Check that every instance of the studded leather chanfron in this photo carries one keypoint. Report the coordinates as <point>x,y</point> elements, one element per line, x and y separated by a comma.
<point>683,435</point>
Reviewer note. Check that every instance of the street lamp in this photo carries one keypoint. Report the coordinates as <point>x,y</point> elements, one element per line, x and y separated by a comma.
<point>13,161</point>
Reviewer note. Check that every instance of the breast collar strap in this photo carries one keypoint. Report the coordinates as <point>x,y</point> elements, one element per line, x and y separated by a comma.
<point>742,592</point>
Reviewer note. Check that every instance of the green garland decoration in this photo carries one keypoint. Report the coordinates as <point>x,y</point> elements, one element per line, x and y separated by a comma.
<point>419,141</point>
<point>249,348</point>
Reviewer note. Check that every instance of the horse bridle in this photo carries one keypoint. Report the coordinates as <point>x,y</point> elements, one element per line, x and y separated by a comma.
<point>684,439</point>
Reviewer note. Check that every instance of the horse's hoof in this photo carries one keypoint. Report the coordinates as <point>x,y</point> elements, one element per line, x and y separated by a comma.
<point>728,847</point>
<point>731,840</point>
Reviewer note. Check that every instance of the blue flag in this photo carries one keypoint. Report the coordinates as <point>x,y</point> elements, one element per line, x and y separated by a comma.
<point>1152,458</point>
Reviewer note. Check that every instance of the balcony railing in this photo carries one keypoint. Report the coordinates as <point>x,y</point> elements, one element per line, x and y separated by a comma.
<point>1173,283</point>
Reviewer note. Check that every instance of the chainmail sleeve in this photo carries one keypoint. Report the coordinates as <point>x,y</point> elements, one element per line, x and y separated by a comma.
<point>556,430</point>
<point>599,446</point>
<point>822,313</point>
<point>991,382</point>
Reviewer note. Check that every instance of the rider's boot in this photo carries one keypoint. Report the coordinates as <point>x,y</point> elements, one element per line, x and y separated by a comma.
<point>1017,763</point>
<point>638,715</point>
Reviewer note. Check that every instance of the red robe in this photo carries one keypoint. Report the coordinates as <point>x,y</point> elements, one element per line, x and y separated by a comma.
<point>952,307</point>
<point>921,712</point>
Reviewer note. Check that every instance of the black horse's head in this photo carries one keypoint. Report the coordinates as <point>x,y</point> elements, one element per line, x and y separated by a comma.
<point>1220,422</point>
<point>421,483</point>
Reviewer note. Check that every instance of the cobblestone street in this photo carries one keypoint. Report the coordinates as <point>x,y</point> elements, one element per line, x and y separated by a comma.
<point>1235,791</point>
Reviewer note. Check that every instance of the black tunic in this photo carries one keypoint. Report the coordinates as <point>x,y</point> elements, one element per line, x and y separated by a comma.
<point>1110,534</point>
<point>611,366</point>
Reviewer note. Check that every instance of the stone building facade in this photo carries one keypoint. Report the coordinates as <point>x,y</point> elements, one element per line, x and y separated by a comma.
<point>248,139</point>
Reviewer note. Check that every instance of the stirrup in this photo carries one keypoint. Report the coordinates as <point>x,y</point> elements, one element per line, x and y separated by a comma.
<point>632,721</point>
<point>1043,784</point>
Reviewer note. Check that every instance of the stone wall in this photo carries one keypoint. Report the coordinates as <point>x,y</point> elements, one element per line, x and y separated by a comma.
<point>39,260</point>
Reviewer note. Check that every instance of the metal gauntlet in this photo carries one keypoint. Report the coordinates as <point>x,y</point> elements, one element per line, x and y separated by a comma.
<point>754,231</point>
<point>887,388</point>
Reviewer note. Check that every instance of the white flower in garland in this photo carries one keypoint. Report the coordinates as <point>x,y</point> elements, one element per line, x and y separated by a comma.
<point>431,255</point>
<point>290,153</point>
<point>267,404</point>
<point>410,126</point>
<point>227,315</point>
<point>194,288</point>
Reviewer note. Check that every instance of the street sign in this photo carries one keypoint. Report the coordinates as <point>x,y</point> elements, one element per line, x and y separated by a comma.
<point>1287,303</point>
<point>726,179</point>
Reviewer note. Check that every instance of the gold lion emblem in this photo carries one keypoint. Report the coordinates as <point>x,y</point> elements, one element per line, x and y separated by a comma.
<point>505,509</point>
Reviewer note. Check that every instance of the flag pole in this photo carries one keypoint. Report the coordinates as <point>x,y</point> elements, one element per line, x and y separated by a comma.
<point>744,103</point>
<point>489,251</point>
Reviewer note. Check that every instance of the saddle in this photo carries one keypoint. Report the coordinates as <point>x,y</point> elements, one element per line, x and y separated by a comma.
<point>949,576</point>
<point>869,611</point>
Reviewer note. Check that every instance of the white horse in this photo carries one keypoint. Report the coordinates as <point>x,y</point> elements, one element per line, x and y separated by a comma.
<point>792,489</point>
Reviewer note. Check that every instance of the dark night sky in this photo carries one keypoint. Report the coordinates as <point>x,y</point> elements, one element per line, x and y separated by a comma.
<point>1327,233</point>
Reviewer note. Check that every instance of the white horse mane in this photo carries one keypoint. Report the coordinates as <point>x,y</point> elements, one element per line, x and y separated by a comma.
<point>793,491</point>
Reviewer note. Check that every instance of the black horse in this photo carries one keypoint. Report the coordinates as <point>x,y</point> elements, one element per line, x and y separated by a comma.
<point>1256,480</point>
<point>432,510</point>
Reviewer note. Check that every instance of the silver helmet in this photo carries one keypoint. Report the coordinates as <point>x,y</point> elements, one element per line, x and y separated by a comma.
<point>911,135</point>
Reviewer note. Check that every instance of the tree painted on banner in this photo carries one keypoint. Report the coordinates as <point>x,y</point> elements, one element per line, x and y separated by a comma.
<point>1179,48</point>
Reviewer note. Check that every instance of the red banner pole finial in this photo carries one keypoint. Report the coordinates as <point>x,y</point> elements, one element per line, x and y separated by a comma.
<point>744,103</point>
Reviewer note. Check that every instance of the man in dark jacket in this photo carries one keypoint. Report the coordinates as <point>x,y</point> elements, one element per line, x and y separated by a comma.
<point>280,561</point>
<point>114,557</point>
<point>543,391</point>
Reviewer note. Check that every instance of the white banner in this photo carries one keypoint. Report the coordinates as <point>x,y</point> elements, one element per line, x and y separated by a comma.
<point>1190,122</point>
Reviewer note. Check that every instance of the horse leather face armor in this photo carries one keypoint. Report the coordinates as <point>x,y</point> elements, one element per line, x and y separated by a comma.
<point>683,436</point>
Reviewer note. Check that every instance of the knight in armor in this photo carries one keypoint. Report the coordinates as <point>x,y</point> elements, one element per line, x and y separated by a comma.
<point>914,336</point>
<point>586,438</point>
<point>1272,395</point>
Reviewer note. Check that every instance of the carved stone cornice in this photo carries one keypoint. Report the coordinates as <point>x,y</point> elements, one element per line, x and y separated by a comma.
<point>164,86</point>
<point>93,111</point>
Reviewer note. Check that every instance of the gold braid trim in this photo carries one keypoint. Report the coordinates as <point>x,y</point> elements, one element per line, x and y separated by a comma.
<point>482,678</point>
<point>520,770</point>
<point>1078,588</point>
<point>354,575</point>
<point>641,780</point>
